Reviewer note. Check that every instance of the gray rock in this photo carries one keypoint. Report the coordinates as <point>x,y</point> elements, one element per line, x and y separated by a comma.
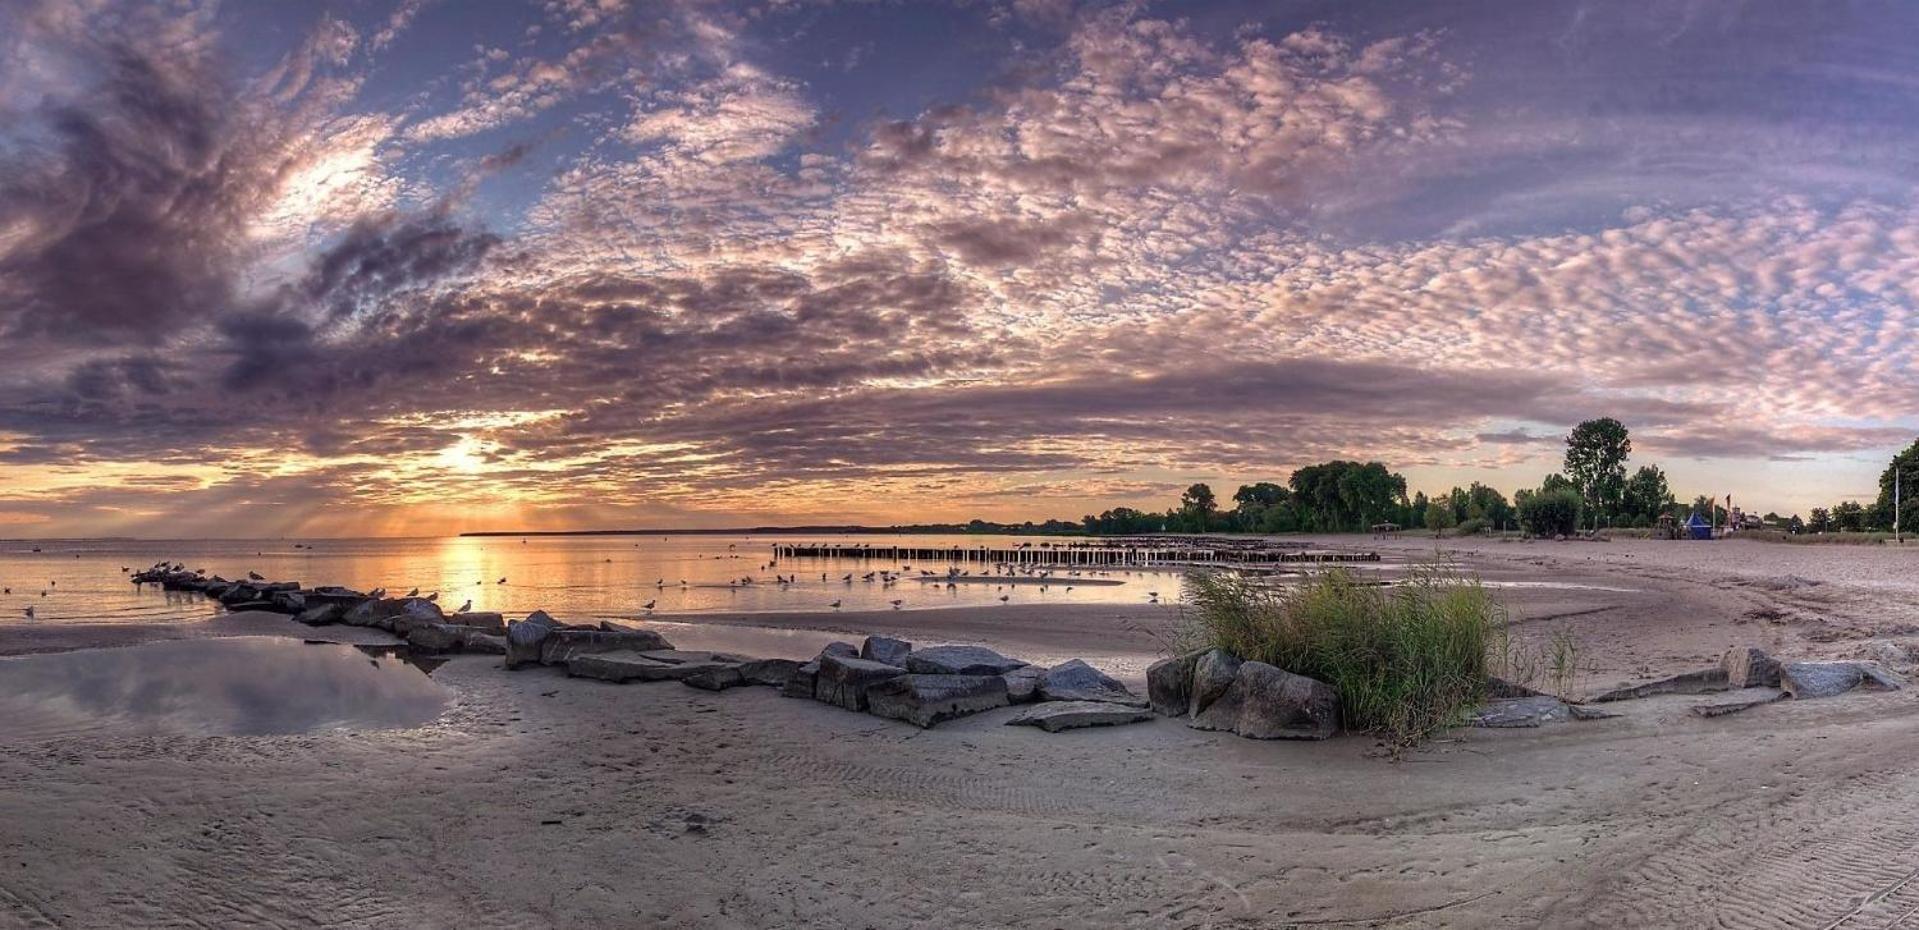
<point>1704,681</point>
<point>1886,652</point>
<point>1213,673</point>
<point>1022,684</point>
<point>1169,684</point>
<point>1497,688</point>
<point>624,665</point>
<point>1826,679</point>
<point>415,611</point>
<point>1753,698</point>
<point>714,676</point>
<point>836,648</point>
<point>362,614</point>
<point>476,640</point>
<point>959,660</point>
<point>1054,716</point>
<point>774,672</point>
<point>683,656</point>
<point>562,646</point>
<point>524,638</point>
<point>436,637</point>
<point>843,681</point>
<point>1582,712</point>
<point>288,602</point>
<point>1532,711</point>
<point>1266,702</point>
<point>803,681</point>
<point>886,649</point>
<point>321,614</point>
<point>924,700</point>
<point>1750,667</point>
<point>487,621</point>
<point>1074,680</point>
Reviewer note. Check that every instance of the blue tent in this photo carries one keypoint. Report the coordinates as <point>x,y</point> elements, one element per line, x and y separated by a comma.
<point>1697,527</point>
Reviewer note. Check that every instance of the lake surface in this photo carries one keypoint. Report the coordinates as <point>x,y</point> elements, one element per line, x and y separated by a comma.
<point>575,577</point>
<point>234,686</point>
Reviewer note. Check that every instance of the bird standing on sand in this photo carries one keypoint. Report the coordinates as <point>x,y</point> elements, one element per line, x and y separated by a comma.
<point>835,605</point>
<point>896,604</point>
<point>501,581</point>
<point>1004,598</point>
<point>256,576</point>
<point>648,605</point>
<point>29,613</point>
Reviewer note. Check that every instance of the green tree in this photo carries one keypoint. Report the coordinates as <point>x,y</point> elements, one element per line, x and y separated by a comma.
<point>1484,503</point>
<point>1820,520</point>
<point>1849,517</point>
<point>1252,504</point>
<point>1438,517</point>
<point>1197,508</point>
<point>1647,494</point>
<point>1596,452</point>
<point>1551,513</point>
<point>1905,464</point>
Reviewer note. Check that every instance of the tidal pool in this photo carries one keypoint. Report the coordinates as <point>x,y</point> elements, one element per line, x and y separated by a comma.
<point>252,685</point>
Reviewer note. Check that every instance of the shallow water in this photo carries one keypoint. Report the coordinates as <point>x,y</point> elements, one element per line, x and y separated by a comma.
<point>579,577</point>
<point>235,686</point>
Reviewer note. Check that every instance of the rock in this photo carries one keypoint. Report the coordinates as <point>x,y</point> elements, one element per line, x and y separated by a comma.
<point>561,646</point>
<point>1022,684</point>
<point>885,649</point>
<point>436,637</point>
<point>1886,652</point>
<point>1723,708</point>
<point>714,676</point>
<point>774,672</point>
<point>415,611</point>
<point>803,681</point>
<point>1054,716</point>
<point>288,602</point>
<point>1750,667</point>
<point>843,681</point>
<point>320,614</point>
<point>1582,712</point>
<point>923,700</point>
<point>840,649</point>
<point>525,638</point>
<point>1826,679</point>
<point>240,606</point>
<point>1267,702</point>
<point>477,640</point>
<point>1703,681</point>
<point>1213,673</point>
<point>959,660</point>
<point>1521,712</point>
<point>684,656</point>
<point>623,665</point>
<point>487,621</point>
<point>1497,688</point>
<point>1169,684</point>
<point>373,612</point>
<point>334,594</point>
<point>1074,680</point>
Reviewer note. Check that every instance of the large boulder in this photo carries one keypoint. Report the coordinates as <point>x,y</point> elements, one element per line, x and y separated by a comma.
<point>334,594</point>
<point>1750,667</point>
<point>1022,684</point>
<point>477,640</point>
<point>374,612</point>
<point>1703,681</point>
<point>959,660</point>
<point>923,700</point>
<point>714,676</point>
<point>1074,680</point>
<point>803,681</point>
<point>487,621</point>
<point>525,638</point>
<point>1054,716</point>
<point>287,602</point>
<point>1213,673</point>
<point>1169,684</point>
<point>1533,711</point>
<point>1268,702</point>
<point>886,649</point>
<point>416,611</point>
<point>837,648</point>
<point>562,646</point>
<point>436,637</point>
<point>623,665</point>
<point>843,682</point>
<point>320,614</point>
<point>1826,679</point>
<point>772,672</point>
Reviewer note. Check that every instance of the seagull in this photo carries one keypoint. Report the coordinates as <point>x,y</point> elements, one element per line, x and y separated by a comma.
<point>648,605</point>
<point>413,593</point>
<point>433,597</point>
<point>835,605</point>
<point>502,580</point>
<point>256,576</point>
<point>1004,597</point>
<point>896,604</point>
<point>29,613</point>
<point>123,569</point>
<point>465,607</point>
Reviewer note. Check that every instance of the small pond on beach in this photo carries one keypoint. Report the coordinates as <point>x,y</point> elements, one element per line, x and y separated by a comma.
<point>232,686</point>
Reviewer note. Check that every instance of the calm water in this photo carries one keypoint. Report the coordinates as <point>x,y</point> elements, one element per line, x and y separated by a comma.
<point>241,685</point>
<point>573,577</point>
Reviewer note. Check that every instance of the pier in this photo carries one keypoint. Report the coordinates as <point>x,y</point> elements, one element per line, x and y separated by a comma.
<point>1050,555</point>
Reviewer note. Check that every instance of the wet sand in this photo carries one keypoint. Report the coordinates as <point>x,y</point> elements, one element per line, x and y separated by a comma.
<point>539,800</point>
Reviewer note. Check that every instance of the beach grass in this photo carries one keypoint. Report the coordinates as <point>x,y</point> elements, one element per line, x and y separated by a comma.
<point>1408,661</point>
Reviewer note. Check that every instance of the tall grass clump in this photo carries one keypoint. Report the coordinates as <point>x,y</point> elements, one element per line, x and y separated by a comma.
<point>1408,661</point>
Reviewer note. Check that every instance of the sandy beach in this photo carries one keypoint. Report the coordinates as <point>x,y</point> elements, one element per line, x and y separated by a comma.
<point>539,800</point>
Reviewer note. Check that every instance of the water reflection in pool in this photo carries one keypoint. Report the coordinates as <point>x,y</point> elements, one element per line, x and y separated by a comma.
<point>239,686</point>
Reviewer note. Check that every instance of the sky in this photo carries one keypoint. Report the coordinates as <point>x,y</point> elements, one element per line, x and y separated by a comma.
<point>426,266</point>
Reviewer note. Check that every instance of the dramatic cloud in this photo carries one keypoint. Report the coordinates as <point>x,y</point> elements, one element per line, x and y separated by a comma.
<point>710,261</point>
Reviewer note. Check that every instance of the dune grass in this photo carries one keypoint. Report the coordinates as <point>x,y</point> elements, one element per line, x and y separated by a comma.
<point>1407,661</point>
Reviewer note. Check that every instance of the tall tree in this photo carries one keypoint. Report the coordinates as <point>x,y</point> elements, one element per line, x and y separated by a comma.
<point>1596,452</point>
<point>1646,494</point>
<point>1905,464</point>
<point>1197,507</point>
